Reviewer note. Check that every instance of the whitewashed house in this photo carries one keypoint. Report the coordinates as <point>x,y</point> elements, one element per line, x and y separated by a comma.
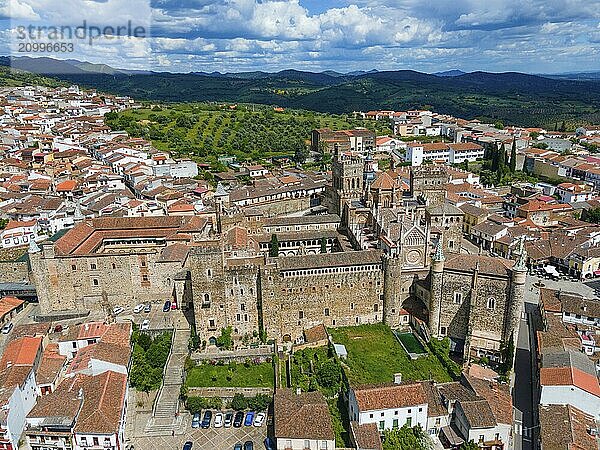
<point>389,406</point>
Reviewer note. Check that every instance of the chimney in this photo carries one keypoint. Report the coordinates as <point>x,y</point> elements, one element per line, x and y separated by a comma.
<point>397,378</point>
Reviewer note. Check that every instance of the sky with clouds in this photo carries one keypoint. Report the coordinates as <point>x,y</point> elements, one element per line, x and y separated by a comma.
<point>534,36</point>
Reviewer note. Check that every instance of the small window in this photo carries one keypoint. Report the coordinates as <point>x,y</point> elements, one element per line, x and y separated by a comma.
<point>382,424</point>
<point>443,331</point>
<point>143,263</point>
<point>95,282</point>
<point>114,266</point>
<point>93,266</point>
<point>491,303</point>
<point>351,305</point>
<point>395,423</point>
<point>326,312</point>
<point>300,314</point>
<point>144,278</point>
<point>209,272</point>
<point>375,307</point>
<point>211,323</point>
<point>409,422</point>
<point>458,298</point>
<point>73,267</point>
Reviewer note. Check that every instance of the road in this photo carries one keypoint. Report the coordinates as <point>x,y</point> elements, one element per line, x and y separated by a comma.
<point>525,392</point>
<point>525,388</point>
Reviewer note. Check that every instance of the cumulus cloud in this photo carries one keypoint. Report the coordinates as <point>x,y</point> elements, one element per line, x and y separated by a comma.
<point>430,35</point>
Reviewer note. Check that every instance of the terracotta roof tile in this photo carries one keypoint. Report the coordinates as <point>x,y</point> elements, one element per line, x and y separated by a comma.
<point>389,396</point>
<point>303,416</point>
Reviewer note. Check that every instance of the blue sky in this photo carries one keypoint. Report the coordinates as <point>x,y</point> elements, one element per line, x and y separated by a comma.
<point>535,36</point>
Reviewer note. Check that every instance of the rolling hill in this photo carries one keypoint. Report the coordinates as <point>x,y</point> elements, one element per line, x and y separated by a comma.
<point>510,97</point>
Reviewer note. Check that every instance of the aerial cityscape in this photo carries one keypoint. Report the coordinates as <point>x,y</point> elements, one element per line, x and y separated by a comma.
<point>207,246</point>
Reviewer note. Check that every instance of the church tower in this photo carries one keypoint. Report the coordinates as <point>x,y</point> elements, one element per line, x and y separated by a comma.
<point>348,179</point>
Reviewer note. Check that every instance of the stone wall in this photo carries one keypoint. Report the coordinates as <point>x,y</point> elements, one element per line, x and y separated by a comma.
<point>67,283</point>
<point>480,317</point>
<point>227,393</point>
<point>292,304</point>
<point>262,353</point>
<point>223,295</point>
<point>283,206</point>
<point>14,271</point>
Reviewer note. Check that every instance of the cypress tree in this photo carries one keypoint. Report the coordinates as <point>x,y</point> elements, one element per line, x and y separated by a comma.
<point>513,157</point>
<point>274,247</point>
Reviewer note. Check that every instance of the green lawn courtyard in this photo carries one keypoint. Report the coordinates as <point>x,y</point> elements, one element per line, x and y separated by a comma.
<point>231,375</point>
<point>374,356</point>
<point>411,343</point>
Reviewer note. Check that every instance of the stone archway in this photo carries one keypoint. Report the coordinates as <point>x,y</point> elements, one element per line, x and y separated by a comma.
<point>287,338</point>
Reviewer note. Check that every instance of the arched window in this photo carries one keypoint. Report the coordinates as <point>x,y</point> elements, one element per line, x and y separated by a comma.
<point>491,303</point>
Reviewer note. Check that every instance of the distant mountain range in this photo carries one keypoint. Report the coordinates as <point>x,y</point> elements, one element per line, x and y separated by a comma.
<point>510,97</point>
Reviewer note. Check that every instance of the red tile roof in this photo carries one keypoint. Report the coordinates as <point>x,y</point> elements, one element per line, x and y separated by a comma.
<point>569,376</point>
<point>21,352</point>
<point>389,396</point>
<point>7,304</point>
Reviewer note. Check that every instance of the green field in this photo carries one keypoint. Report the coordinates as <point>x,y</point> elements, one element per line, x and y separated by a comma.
<point>231,375</point>
<point>205,131</point>
<point>374,356</point>
<point>411,343</point>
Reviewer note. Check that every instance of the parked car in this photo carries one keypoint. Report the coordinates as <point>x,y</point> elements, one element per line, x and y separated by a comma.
<point>147,308</point>
<point>167,306</point>
<point>248,445</point>
<point>138,308</point>
<point>218,420</point>
<point>196,420</point>
<point>249,418</point>
<point>239,419</point>
<point>237,446</point>
<point>6,328</point>
<point>206,419</point>
<point>269,444</point>
<point>259,419</point>
<point>188,445</point>
<point>173,305</point>
<point>145,325</point>
<point>58,328</point>
<point>228,419</point>
<point>118,310</point>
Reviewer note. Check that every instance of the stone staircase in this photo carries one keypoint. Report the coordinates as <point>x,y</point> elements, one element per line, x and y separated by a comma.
<point>165,417</point>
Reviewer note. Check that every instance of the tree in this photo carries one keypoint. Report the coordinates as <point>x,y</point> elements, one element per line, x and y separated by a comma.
<point>405,438</point>
<point>323,245</point>
<point>274,247</point>
<point>239,402</point>
<point>469,446</point>
<point>3,223</point>
<point>507,350</point>
<point>329,373</point>
<point>300,152</point>
<point>592,215</point>
<point>513,156</point>
<point>225,341</point>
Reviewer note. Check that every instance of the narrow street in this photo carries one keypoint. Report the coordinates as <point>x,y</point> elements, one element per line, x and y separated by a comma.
<point>523,392</point>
